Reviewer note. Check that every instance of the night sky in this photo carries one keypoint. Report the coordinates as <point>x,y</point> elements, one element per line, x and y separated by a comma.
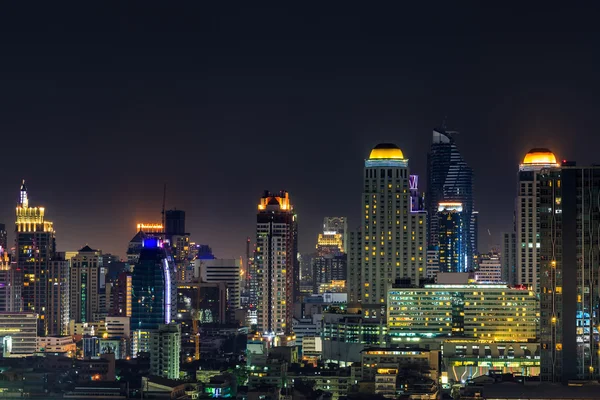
<point>100,105</point>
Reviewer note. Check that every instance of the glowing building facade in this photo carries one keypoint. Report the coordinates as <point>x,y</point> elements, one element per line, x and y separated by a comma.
<point>276,272</point>
<point>528,241</point>
<point>493,312</point>
<point>391,242</point>
<point>452,249</point>
<point>35,246</point>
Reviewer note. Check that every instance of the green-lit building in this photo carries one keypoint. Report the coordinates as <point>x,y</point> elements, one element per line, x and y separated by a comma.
<point>494,312</point>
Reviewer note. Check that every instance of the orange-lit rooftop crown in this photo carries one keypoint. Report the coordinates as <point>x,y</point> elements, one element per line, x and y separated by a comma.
<point>386,151</point>
<point>539,156</point>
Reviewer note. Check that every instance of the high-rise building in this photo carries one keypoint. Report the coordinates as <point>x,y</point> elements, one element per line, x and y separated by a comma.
<point>417,199</point>
<point>84,285</point>
<point>391,243</point>
<point>175,222</point>
<point>568,216</point>
<point>10,294</point>
<point>489,269</point>
<point>509,257</point>
<point>276,263</point>
<point>227,271</point>
<point>58,313</point>
<point>452,249</point>
<point>339,226</point>
<point>433,262</point>
<point>154,293</point>
<point>527,214</point>
<point>35,246</point>
<point>144,231</point>
<point>179,241</point>
<point>165,351</point>
<point>449,178</point>
<point>121,305</point>
<point>3,237</point>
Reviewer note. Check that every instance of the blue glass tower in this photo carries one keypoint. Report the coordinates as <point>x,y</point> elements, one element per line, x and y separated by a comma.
<point>450,179</point>
<point>154,292</point>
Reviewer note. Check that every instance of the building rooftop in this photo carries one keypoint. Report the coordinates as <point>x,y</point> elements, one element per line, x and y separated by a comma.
<point>386,151</point>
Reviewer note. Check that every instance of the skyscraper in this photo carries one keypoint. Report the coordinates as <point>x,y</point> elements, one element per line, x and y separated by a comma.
<point>10,294</point>
<point>509,257</point>
<point>153,288</point>
<point>391,242</point>
<point>174,222</point>
<point>339,226</point>
<point>449,178</point>
<point>569,217</point>
<point>179,241</point>
<point>3,236</point>
<point>58,314</point>
<point>154,293</point>
<point>84,285</point>
<point>452,250</point>
<point>527,216</point>
<point>35,246</point>
<point>276,263</point>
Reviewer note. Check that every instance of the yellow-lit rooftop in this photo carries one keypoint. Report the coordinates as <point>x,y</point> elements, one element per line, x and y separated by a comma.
<point>539,156</point>
<point>385,151</point>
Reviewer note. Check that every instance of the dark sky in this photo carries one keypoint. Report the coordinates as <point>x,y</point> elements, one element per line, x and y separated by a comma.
<point>100,105</point>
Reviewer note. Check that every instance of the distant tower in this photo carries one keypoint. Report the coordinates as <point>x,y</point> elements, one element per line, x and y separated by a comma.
<point>391,242</point>
<point>35,246</point>
<point>527,216</point>
<point>154,292</point>
<point>85,280</point>
<point>449,178</point>
<point>337,225</point>
<point>452,251</point>
<point>277,273</point>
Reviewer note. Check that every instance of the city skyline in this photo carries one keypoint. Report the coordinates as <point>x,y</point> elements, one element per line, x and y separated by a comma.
<point>92,106</point>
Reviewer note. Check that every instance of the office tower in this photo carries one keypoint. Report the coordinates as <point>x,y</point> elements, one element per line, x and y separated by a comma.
<point>449,178</point>
<point>84,286</point>
<point>225,271</point>
<point>488,311</point>
<point>21,328</point>
<point>330,262</point>
<point>453,255</point>
<point>337,225</point>
<point>154,293</point>
<point>175,222</point>
<point>58,313</point>
<point>3,237</point>
<point>165,350</point>
<point>527,214</point>
<point>35,246</point>
<point>179,241</point>
<point>10,294</point>
<point>391,242</point>
<point>277,270</point>
<point>489,269</point>
<point>121,295</point>
<point>569,217</point>
<point>509,257</point>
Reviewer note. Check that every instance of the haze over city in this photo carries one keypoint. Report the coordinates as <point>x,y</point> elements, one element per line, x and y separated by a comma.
<point>101,108</point>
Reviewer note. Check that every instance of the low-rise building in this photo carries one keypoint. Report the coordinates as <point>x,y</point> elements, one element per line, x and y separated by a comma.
<point>19,333</point>
<point>57,344</point>
<point>486,311</point>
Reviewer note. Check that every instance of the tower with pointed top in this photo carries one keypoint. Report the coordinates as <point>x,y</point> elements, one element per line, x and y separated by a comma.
<point>34,247</point>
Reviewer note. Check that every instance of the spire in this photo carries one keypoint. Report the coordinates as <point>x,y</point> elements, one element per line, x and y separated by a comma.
<point>23,200</point>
